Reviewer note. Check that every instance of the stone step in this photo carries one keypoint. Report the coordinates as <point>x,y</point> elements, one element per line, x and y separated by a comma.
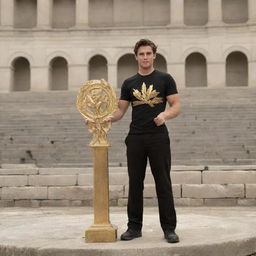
<point>219,234</point>
<point>212,126</point>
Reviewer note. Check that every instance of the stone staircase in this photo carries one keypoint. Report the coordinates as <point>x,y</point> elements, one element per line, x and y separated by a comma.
<point>216,126</point>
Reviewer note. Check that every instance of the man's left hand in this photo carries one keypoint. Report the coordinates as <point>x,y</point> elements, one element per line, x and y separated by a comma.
<point>160,119</point>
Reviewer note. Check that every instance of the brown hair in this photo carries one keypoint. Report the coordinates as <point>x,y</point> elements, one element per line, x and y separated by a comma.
<point>144,42</point>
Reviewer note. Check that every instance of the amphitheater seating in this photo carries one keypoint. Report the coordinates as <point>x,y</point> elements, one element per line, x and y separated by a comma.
<point>216,126</point>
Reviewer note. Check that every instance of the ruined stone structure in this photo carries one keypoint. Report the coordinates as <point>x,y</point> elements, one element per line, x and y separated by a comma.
<point>59,44</point>
<point>209,46</point>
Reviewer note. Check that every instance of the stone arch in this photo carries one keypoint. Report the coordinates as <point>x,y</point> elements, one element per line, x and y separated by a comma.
<point>236,69</point>
<point>20,54</point>
<point>191,50</point>
<point>121,53</point>
<point>25,13</point>
<point>58,73</point>
<point>236,48</point>
<point>63,13</point>
<point>20,76</point>
<point>98,68</point>
<point>196,70</point>
<point>160,63</point>
<point>126,67</point>
<point>235,11</point>
<point>100,52</point>
<point>55,54</point>
<point>195,12</point>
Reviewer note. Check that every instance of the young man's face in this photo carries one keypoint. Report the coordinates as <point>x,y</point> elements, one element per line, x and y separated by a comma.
<point>145,57</point>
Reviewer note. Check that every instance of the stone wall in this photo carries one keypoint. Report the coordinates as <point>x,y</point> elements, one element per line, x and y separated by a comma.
<point>212,42</point>
<point>30,186</point>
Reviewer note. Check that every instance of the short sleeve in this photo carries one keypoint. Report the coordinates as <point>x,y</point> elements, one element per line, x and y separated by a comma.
<point>171,87</point>
<point>125,95</point>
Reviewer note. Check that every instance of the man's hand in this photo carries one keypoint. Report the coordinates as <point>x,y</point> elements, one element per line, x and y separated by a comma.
<point>160,119</point>
<point>87,122</point>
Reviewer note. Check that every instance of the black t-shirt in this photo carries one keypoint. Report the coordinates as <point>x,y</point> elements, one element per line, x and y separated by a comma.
<point>147,95</point>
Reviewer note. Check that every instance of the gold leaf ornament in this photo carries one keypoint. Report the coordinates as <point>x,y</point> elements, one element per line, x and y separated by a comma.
<point>146,96</point>
<point>97,101</point>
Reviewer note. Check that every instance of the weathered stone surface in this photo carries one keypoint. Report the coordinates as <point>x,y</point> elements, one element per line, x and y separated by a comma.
<point>187,168</point>
<point>18,166</point>
<point>152,202</point>
<point>64,171</point>
<point>229,177</point>
<point>6,203</point>
<point>122,202</point>
<point>65,203</point>
<point>149,190</point>
<point>231,167</point>
<point>70,193</point>
<point>220,202</point>
<point>18,171</point>
<point>27,203</point>
<point>116,191</point>
<point>114,179</point>
<point>59,232</point>
<point>188,202</point>
<point>13,181</point>
<point>52,180</point>
<point>251,191</point>
<point>118,178</point>
<point>24,193</point>
<point>186,177</point>
<point>213,191</point>
<point>246,202</point>
<point>85,179</point>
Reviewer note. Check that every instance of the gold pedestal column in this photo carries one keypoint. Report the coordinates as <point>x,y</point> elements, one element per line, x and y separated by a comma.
<point>101,230</point>
<point>96,101</point>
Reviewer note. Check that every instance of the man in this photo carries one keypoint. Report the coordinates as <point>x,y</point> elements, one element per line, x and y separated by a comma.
<point>148,91</point>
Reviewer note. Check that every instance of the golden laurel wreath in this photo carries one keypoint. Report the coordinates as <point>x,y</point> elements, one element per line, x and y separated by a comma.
<point>96,101</point>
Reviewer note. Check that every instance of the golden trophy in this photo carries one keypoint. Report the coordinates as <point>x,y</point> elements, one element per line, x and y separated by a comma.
<point>97,101</point>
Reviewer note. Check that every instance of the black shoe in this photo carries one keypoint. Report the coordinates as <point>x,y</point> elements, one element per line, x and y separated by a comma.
<point>171,236</point>
<point>130,234</point>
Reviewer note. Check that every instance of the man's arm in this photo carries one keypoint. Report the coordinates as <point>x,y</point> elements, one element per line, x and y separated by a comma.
<point>121,110</point>
<point>172,111</point>
<point>118,114</point>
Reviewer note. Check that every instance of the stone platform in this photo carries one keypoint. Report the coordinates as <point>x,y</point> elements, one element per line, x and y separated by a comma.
<point>211,231</point>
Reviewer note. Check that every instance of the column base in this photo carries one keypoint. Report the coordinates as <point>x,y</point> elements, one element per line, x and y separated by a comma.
<point>101,233</point>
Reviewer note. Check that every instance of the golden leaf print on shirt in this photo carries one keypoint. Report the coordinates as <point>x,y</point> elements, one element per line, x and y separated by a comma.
<point>146,96</point>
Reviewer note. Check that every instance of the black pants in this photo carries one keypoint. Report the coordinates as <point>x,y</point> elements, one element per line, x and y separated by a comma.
<point>156,148</point>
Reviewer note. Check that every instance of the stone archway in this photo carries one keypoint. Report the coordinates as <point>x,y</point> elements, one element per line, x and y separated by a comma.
<point>236,69</point>
<point>196,71</point>
<point>58,74</point>
<point>21,74</point>
<point>126,67</point>
<point>98,68</point>
<point>160,63</point>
